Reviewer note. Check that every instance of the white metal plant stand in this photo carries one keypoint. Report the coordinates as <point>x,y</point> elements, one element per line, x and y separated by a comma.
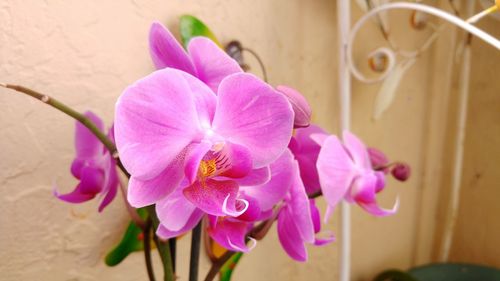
<point>346,36</point>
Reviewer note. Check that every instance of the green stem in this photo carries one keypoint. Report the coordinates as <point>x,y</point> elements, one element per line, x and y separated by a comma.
<point>75,115</point>
<point>147,250</point>
<point>195,252</point>
<point>163,247</point>
<point>172,243</point>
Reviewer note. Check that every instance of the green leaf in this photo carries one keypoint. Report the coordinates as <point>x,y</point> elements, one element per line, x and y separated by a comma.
<point>191,26</point>
<point>227,269</point>
<point>131,242</point>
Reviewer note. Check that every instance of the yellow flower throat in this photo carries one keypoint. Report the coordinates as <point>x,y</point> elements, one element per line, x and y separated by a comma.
<point>207,168</point>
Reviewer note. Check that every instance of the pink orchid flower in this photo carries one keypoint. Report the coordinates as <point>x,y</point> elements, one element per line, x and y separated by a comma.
<point>203,59</point>
<point>170,126</point>
<point>345,172</point>
<point>306,150</point>
<point>298,217</point>
<point>93,166</point>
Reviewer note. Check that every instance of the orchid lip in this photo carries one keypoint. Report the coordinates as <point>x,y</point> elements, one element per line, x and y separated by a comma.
<point>253,243</point>
<point>234,213</point>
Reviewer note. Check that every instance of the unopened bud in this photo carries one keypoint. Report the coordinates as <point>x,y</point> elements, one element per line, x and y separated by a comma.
<point>401,171</point>
<point>377,158</point>
<point>300,106</point>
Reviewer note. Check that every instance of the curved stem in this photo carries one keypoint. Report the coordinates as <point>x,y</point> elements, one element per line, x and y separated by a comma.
<point>195,252</point>
<point>262,67</point>
<point>410,6</point>
<point>131,210</point>
<point>216,266</point>
<point>147,250</point>
<point>163,246</point>
<point>75,115</point>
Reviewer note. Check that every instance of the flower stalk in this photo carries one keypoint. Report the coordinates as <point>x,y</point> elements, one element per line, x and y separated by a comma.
<point>162,246</point>
<point>216,266</point>
<point>72,113</point>
<point>195,252</point>
<point>147,250</point>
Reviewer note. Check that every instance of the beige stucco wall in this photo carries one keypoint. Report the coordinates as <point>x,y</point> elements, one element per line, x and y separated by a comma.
<point>85,52</point>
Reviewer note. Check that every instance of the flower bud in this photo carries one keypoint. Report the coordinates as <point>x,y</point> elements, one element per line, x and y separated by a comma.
<point>401,171</point>
<point>377,158</point>
<point>299,104</point>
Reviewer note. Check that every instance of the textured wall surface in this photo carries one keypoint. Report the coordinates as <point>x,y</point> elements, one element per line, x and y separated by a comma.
<point>86,52</point>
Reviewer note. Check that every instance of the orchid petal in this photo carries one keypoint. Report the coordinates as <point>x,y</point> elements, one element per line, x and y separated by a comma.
<point>306,151</point>
<point>195,155</point>
<point>216,198</point>
<point>319,138</point>
<point>275,190</point>
<point>289,236</point>
<point>299,206</point>
<point>87,145</point>
<point>91,183</point>
<point>76,196</point>
<point>252,114</point>
<point>375,210</point>
<point>142,193</point>
<point>233,161</point>
<point>111,187</point>
<point>315,215</point>
<point>174,211</point>
<point>211,62</point>
<point>316,218</point>
<point>305,142</point>
<point>77,165</point>
<point>326,240</point>
<point>166,51</point>
<point>380,181</point>
<point>240,207</point>
<point>377,158</point>
<point>253,212</point>
<point>363,187</point>
<point>193,220</point>
<point>328,213</point>
<point>335,170</point>
<point>357,150</point>
<point>155,120</point>
<point>231,235</point>
<point>258,176</point>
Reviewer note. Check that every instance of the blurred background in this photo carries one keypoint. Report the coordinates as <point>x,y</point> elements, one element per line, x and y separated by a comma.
<point>85,53</point>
